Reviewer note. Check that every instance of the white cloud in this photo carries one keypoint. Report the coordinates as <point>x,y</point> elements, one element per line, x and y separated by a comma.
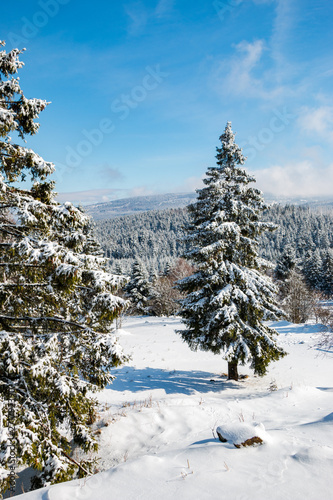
<point>301,179</point>
<point>318,120</point>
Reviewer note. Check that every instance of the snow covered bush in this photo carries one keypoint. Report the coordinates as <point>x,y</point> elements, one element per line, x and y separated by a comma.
<point>228,297</point>
<point>57,306</point>
<point>299,301</point>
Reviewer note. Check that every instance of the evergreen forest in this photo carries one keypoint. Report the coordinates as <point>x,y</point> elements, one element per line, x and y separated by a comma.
<point>156,238</point>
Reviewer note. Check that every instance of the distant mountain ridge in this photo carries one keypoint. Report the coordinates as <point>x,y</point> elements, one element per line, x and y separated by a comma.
<point>130,206</point>
<point>137,204</point>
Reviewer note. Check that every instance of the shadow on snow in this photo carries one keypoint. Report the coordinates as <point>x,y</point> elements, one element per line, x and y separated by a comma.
<point>172,382</point>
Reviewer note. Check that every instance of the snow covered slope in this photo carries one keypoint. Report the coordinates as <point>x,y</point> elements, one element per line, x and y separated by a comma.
<point>129,206</point>
<point>158,423</point>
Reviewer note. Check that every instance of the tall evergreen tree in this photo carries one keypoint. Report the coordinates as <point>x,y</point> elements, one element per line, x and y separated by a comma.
<point>57,307</point>
<point>228,297</point>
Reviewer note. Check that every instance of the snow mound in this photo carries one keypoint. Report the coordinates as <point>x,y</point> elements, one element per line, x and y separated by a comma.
<point>121,331</point>
<point>314,455</point>
<point>240,433</point>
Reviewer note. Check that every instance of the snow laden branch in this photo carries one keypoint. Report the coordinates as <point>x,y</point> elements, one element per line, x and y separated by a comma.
<point>18,114</point>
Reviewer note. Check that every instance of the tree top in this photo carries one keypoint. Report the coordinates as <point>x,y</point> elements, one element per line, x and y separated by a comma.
<point>229,153</point>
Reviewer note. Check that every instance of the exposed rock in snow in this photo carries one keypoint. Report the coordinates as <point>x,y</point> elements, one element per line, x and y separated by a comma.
<point>242,434</point>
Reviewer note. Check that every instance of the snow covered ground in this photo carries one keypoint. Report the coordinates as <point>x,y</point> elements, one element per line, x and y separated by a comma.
<point>158,423</point>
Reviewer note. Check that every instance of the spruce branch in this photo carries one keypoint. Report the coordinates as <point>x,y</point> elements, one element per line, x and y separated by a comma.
<point>71,459</point>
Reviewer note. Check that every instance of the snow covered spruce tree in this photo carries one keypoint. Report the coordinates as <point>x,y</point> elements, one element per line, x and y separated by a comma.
<point>286,263</point>
<point>138,289</point>
<point>228,298</point>
<point>57,307</point>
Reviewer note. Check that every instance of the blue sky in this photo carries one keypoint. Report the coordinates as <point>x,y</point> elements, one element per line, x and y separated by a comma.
<point>142,90</point>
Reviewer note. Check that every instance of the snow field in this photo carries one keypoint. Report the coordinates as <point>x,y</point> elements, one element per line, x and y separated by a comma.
<point>158,421</point>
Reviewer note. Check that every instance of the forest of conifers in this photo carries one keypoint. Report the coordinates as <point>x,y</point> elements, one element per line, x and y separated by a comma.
<point>155,237</point>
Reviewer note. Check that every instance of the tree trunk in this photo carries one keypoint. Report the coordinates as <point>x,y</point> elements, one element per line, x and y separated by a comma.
<point>232,370</point>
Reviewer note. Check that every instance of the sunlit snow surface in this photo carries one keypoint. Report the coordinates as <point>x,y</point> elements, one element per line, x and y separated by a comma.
<point>162,411</point>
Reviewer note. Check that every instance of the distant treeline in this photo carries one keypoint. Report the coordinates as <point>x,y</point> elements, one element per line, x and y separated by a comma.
<point>155,237</point>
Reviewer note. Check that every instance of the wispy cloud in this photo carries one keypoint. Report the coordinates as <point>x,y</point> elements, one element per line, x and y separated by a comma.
<point>138,18</point>
<point>241,75</point>
<point>139,15</point>
<point>163,7</point>
<point>262,68</point>
<point>282,29</point>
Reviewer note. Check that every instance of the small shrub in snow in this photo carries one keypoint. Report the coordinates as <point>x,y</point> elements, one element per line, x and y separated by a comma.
<point>272,386</point>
